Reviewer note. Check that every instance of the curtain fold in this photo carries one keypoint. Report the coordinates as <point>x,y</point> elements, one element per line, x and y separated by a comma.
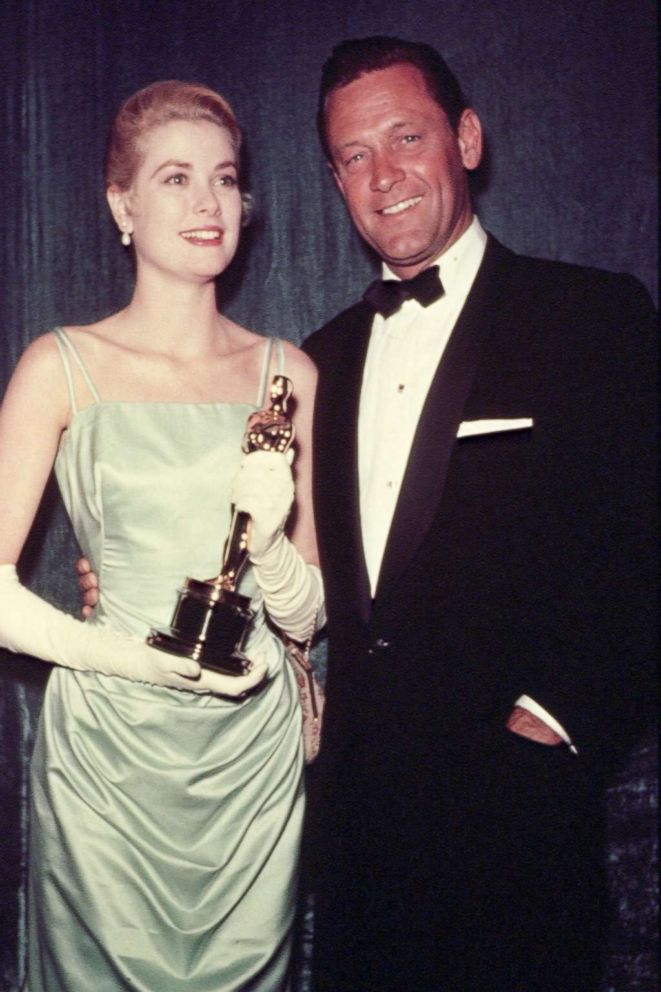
<point>566,93</point>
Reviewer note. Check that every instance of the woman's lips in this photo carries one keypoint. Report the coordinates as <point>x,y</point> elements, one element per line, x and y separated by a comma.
<point>204,236</point>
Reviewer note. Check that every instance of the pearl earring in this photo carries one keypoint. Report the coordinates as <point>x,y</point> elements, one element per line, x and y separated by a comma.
<point>126,239</point>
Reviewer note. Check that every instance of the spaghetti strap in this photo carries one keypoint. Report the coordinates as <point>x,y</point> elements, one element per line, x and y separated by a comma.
<point>68,351</point>
<point>261,392</point>
<point>280,353</point>
<point>64,355</point>
<point>280,367</point>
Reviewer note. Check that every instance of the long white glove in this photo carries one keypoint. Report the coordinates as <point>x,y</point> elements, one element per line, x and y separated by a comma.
<point>293,590</point>
<point>264,488</point>
<point>30,625</point>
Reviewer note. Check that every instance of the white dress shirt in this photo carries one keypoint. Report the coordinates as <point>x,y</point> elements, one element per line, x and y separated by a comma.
<point>402,357</point>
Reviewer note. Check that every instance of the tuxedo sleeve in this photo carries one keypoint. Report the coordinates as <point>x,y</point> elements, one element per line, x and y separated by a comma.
<point>589,605</point>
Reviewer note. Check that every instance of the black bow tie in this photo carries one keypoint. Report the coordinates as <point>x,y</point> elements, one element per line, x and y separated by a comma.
<point>387,295</point>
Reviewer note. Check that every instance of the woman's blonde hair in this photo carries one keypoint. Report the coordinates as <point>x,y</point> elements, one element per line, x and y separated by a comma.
<point>160,103</point>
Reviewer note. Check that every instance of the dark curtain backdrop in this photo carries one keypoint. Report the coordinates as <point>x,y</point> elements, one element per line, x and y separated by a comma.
<point>566,92</point>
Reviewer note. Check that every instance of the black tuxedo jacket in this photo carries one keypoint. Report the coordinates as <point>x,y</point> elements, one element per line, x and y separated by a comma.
<point>517,562</point>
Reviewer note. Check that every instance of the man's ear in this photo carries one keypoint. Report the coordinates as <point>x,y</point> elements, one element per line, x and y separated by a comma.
<point>469,136</point>
<point>118,201</point>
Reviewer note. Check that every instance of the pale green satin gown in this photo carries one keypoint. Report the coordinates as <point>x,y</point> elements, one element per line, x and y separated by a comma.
<point>165,825</point>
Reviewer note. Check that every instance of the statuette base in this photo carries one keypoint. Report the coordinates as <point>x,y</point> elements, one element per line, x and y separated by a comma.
<point>209,626</point>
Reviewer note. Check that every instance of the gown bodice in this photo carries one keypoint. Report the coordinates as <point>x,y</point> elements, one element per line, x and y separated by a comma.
<point>147,487</point>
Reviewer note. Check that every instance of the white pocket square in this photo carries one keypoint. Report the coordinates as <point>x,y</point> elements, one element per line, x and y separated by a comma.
<point>470,428</point>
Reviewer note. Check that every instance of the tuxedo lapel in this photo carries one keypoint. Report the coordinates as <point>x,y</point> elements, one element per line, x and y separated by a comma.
<point>336,479</point>
<point>424,478</point>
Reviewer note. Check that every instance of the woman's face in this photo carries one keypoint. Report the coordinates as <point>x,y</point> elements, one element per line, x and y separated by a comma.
<point>184,206</point>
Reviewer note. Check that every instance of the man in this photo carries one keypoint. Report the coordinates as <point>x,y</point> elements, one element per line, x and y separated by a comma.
<point>482,486</point>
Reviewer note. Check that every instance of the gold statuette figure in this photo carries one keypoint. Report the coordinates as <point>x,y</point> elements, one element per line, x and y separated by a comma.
<point>211,619</point>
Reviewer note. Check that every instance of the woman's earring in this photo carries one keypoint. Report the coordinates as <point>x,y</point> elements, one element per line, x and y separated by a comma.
<point>126,239</point>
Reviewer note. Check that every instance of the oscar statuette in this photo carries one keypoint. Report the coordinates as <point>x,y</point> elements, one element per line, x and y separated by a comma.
<point>211,619</point>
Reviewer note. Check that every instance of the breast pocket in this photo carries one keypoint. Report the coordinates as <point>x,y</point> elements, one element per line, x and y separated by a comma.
<point>493,470</point>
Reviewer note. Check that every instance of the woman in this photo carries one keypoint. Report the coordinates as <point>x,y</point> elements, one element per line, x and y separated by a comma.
<point>167,799</point>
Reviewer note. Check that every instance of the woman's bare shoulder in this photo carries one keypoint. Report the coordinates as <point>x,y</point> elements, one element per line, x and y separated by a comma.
<point>99,330</point>
<point>41,357</point>
<point>39,381</point>
<point>297,360</point>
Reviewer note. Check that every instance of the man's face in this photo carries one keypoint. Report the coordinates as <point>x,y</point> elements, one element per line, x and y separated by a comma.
<point>400,167</point>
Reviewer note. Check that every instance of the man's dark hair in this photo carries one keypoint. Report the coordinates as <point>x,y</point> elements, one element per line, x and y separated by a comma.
<point>351,59</point>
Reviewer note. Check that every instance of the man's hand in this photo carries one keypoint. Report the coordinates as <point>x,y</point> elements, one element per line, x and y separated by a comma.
<point>88,585</point>
<point>526,724</point>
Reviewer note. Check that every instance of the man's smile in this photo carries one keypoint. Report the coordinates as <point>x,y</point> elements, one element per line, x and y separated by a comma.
<point>398,208</point>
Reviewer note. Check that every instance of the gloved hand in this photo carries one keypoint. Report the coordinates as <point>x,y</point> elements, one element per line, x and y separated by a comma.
<point>292,589</point>
<point>30,625</point>
<point>264,488</point>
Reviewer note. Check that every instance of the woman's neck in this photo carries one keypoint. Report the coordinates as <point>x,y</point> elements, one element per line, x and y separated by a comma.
<point>174,318</point>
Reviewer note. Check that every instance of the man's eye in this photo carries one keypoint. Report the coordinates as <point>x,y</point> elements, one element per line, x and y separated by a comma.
<point>355,159</point>
<point>409,139</point>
